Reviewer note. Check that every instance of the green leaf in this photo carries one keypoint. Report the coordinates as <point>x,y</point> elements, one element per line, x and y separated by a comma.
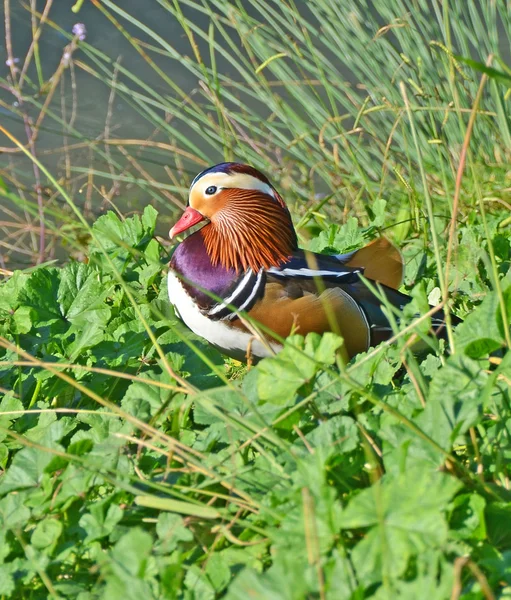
<point>218,572</point>
<point>339,239</point>
<point>404,519</point>
<point>46,533</point>
<point>123,240</point>
<point>498,523</point>
<point>338,431</point>
<point>81,296</point>
<point>125,572</point>
<point>9,404</point>
<point>288,578</point>
<point>22,320</point>
<point>279,378</point>
<point>198,583</point>
<point>378,209</point>
<point>171,530</point>
<point>457,396</point>
<point>26,470</point>
<point>432,578</point>
<point>40,293</point>
<point>481,332</point>
<point>132,550</point>
<point>467,520</point>
<point>128,348</point>
<point>10,291</point>
<point>6,579</point>
<point>101,521</point>
<point>13,512</point>
<point>4,456</point>
<point>149,217</point>
<point>154,395</point>
<point>50,429</point>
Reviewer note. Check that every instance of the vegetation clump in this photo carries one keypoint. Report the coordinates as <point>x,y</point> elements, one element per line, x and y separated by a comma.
<point>136,461</point>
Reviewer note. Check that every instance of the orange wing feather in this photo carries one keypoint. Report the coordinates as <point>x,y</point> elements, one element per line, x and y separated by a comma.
<point>381,261</point>
<point>283,312</point>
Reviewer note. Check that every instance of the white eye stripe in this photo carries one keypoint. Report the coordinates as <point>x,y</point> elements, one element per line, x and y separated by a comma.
<point>241,181</point>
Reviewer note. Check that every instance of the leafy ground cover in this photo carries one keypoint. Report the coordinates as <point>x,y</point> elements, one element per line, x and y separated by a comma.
<point>134,473</point>
<point>137,462</point>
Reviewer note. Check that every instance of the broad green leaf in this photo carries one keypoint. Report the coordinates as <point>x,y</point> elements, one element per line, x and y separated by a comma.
<point>288,578</point>
<point>481,332</point>
<point>123,240</point>
<point>433,578</point>
<point>498,524</point>
<point>340,580</point>
<point>339,432</point>
<point>132,550</point>
<point>279,378</point>
<point>149,217</point>
<point>154,395</point>
<point>46,533</point>
<point>4,455</point>
<point>127,348</point>
<point>378,209</point>
<point>9,404</point>
<point>467,519</point>
<point>7,572</point>
<point>197,582</point>
<point>217,572</point>
<point>26,470</point>
<point>10,291</point>
<point>101,521</point>
<point>339,239</point>
<point>125,571</point>
<point>404,514</point>
<point>75,482</point>
<point>81,296</point>
<point>50,429</point>
<point>40,293</point>
<point>13,512</point>
<point>22,321</point>
<point>171,530</point>
<point>457,396</point>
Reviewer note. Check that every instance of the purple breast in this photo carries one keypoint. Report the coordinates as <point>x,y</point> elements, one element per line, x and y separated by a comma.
<point>191,260</point>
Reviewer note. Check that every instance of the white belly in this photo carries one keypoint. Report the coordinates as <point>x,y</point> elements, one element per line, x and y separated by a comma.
<point>231,341</point>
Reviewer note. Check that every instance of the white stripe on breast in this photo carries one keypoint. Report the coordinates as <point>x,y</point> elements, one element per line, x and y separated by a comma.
<point>237,291</point>
<point>231,341</point>
<point>254,292</point>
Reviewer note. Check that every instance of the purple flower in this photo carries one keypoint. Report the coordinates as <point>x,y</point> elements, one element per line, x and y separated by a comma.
<point>80,31</point>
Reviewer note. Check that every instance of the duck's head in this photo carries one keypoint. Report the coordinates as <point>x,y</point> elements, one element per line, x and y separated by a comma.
<point>249,224</point>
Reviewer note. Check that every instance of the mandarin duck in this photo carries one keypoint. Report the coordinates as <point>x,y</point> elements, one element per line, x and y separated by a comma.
<point>245,261</point>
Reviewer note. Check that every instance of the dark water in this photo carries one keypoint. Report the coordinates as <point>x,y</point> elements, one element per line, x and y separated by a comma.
<point>105,37</point>
<point>90,100</point>
<point>92,97</point>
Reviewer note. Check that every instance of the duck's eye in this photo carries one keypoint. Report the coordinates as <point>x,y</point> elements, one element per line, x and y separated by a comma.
<point>211,190</point>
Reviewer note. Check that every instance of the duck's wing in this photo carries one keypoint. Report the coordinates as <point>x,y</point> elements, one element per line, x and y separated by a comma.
<point>381,261</point>
<point>317,293</point>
